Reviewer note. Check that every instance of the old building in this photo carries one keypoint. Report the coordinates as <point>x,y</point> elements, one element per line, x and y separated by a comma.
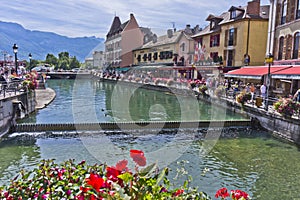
<point>283,44</point>
<point>173,48</point>
<point>236,38</point>
<point>121,39</point>
<point>284,33</point>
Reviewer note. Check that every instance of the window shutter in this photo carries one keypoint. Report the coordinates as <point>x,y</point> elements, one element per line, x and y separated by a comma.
<point>233,57</point>
<point>235,36</point>
<point>225,58</point>
<point>226,38</point>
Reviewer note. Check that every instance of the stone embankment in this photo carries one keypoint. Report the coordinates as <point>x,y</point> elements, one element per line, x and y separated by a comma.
<point>17,105</point>
<point>44,97</point>
<point>280,127</point>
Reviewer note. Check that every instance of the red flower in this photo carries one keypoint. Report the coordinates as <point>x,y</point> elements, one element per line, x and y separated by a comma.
<point>238,194</point>
<point>112,175</point>
<point>178,192</point>
<point>122,165</point>
<point>95,181</point>
<point>223,193</point>
<point>138,157</point>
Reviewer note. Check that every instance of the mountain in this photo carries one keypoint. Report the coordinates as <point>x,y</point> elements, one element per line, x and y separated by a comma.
<point>39,43</point>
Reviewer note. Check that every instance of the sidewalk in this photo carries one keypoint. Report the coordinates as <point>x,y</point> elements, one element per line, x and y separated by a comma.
<point>44,97</point>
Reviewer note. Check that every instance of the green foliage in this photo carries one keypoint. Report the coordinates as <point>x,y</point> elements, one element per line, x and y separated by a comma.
<point>287,106</point>
<point>70,180</point>
<point>51,60</point>
<point>64,61</point>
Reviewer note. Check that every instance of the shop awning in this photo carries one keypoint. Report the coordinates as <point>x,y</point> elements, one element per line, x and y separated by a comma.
<point>254,72</point>
<point>289,73</point>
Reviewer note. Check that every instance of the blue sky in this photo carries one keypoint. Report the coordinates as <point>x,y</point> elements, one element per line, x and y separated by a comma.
<point>76,18</point>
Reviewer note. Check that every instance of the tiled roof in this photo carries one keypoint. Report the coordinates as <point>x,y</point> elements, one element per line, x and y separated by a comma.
<point>115,27</point>
<point>164,39</point>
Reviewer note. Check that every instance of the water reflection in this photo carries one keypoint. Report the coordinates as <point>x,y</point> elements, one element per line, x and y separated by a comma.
<point>249,159</point>
<point>99,102</point>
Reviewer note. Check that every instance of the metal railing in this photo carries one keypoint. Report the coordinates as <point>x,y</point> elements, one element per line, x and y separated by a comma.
<point>11,88</point>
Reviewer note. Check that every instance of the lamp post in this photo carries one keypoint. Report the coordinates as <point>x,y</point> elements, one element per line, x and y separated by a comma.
<point>30,57</point>
<point>269,60</point>
<point>15,49</point>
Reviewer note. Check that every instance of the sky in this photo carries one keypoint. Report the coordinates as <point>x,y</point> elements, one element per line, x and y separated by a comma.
<point>78,18</point>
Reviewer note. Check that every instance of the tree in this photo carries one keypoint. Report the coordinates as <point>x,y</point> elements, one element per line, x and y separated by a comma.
<point>63,64</point>
<point>51,60</point>
<point>74,63</point>
<point>63,55</point>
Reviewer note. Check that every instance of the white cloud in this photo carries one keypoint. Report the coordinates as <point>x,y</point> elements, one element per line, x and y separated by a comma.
<point>91,17</point>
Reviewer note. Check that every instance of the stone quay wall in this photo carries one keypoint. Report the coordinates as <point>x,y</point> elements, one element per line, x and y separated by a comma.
<point>287,129</point>
<point>15,107</point>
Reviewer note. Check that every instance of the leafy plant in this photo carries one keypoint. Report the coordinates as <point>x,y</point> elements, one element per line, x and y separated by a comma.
<point>219,91</point>
<point>287,106</point>
<point>69,180</point>
<point>243,97</point>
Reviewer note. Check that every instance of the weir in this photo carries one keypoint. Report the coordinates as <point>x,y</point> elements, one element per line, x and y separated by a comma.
<point>30,127</point>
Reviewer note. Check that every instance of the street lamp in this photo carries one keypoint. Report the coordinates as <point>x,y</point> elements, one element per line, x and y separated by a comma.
<point>30,57</point>
<point>269,60</point>
<point>15,49</point>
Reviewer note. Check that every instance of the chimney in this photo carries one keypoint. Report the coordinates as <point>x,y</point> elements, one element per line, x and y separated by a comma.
<point>188,29</point>
<point>170,33</point>
<point>131,16</point>
<point>253,7</point>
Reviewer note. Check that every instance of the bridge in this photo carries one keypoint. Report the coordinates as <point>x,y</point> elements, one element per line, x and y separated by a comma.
<point>109,126</point>
<point>69,75</point>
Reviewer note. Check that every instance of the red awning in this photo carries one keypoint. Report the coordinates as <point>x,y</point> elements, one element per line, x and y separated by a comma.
<point>255,72</point>
<point>289,73</point>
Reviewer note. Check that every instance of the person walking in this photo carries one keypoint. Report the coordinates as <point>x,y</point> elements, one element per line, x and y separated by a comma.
<point>296,96</point>
<point>252,91</point>
<point>263,92</point>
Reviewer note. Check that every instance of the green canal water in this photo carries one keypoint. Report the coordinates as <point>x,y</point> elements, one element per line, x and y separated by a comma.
<point>239,158</point>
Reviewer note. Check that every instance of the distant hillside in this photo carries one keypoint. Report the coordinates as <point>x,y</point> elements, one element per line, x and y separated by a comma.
<point>39,43</point>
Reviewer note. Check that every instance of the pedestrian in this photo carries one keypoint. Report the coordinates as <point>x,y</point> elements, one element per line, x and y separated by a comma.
<point>296,96</point>
<point>263,91</point>
<point>3,82</point>
<point>252,91</point>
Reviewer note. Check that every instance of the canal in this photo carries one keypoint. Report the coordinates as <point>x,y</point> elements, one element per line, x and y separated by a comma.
<point>238,158</point>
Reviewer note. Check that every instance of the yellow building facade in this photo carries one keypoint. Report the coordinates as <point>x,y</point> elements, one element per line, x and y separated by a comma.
<point>236,38</point>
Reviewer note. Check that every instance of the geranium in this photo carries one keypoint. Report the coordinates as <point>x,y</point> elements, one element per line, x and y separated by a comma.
<point>223,193</point>
<point>81,181</point>
<point>138,157</point>
<point>239,195</point>
<point>234,194</point>
<point>286,106</point>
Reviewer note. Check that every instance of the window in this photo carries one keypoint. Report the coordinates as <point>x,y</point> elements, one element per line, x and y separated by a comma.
<point>214,56</point>
<point>139,58</point>
<point>215,40</point>
<point>230,58</point>
<point>155,56</point>
<point>283,12</point>
<point>145,57</point>
<point>231,37</point>
<point>280,48</point>
<point>233,14</point>
<point>298,9</point>
<point>212,24</point>
<point>149,56</point>
<point>296,45</point>
<point>182,46</point>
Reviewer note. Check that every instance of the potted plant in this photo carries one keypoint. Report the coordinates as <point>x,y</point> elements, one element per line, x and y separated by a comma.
<point>287,107</point>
